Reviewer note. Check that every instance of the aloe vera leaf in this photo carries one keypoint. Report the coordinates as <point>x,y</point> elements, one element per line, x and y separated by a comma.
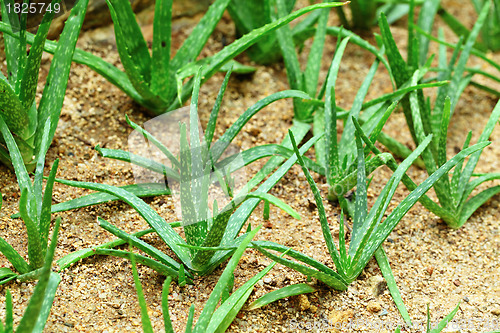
<point>273,296</point>
<point>121,155</point>
<point>332,147</point>
<point>9,318</point>
<point>160,60</point>
<point>401,92</point>
<point>146,322</point>
<point>196,167</point>
<point>29,78</point>
<point>11,109</point>
<point>40,164</point>
<point>212,121</point>
<point>193,45</point>
<point>361,203</point>
<point>164,230</point>
<point>443,323</point>
<point>153,264</point>
<point>321,209</point>
<point>35,252</point>
<point>139,190</point>
<point>140,244</point>
<point>426,18</point>
<point>246,41</point>
<point>396,61</point>
<point>50,294</point>
<point>167,322</point>
<point>57,79</point>
<point>41,301</point>
<point>76,256</point>
<point>225,314</point>
<point>223,142</point>
<point>385,268</point>
<point>14,257</point>
<point>332,279</point>
<point>213,300</point>
<point>311,73</point>
<point>239,160</point>
<point>148,136</point>
<point>285,40</point>
<point>190,223</point>
<point>471,205</point>
<point>443,133</point>
<point>471,186</point>
<point>12,46</point>
<point>6,274</point>
<point>44,222</point>
<point>346,144</point>
<point>474,159</point>
<point>296,255</point>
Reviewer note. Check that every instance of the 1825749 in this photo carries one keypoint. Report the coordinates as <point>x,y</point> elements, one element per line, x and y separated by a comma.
<point>33,8</point>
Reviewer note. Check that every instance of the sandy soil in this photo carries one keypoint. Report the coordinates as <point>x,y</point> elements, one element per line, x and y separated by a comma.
<point>432,264</point>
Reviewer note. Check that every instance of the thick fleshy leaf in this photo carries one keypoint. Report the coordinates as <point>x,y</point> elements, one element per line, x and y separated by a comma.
<point>273,296</point>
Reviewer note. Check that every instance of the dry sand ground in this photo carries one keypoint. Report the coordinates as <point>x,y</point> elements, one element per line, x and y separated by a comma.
<point>432,264</point>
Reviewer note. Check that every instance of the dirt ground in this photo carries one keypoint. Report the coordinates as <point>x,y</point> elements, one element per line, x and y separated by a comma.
<point>432,263</point>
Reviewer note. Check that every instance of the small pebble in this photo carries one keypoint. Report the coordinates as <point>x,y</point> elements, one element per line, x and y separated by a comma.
<point>267,280</point>
<point>303,303</point>
<point>373,307</point>
<point>496,311</point>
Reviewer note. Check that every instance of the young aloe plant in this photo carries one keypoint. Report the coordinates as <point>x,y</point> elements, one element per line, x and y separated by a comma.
<point>455,204</point>
<point>368,230</point>
<point>34,207</point>
<point>155,80</point>
<point>211,319</point>
<point>17,101</point>
<point>38,309</point>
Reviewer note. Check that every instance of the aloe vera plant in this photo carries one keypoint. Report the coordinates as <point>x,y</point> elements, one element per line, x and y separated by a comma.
<point>17,101</point>
<point>34,207</point>
<point>454,193</point>
<point>369,229</point>
<point>211,319</point>
<point>154,80</point>
<point>38,309</point>
<point>196,168</point>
